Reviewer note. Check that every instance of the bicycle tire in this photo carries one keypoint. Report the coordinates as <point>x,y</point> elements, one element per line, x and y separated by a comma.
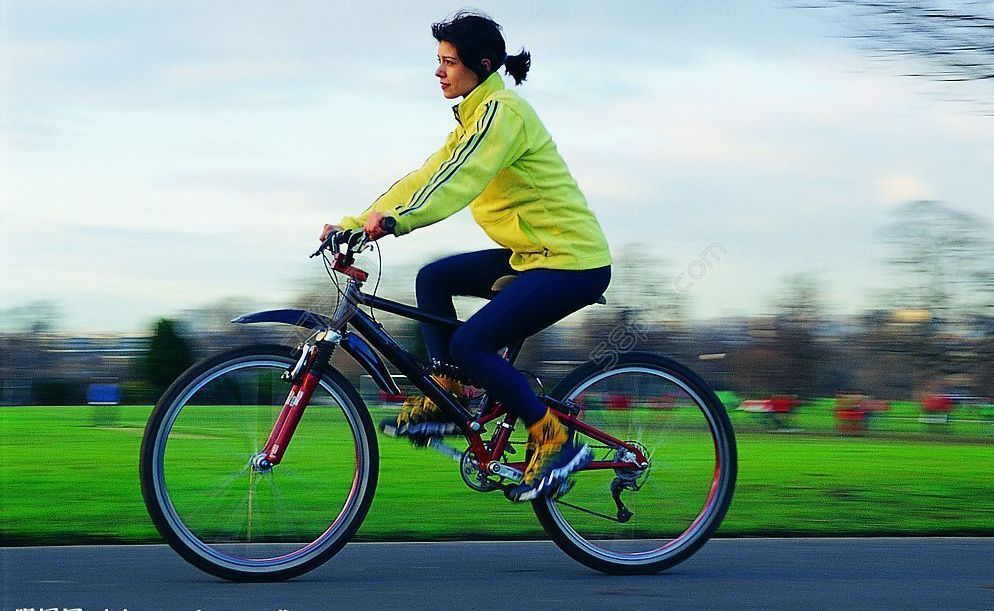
<point>167,464</point>
<point>560,517</point>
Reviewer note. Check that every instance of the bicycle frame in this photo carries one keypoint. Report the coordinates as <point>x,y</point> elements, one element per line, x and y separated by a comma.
<point>305,375</point>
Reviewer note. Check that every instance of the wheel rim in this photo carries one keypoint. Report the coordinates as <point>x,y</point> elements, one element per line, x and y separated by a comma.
<point>678,500</point>
<point>235,516</point>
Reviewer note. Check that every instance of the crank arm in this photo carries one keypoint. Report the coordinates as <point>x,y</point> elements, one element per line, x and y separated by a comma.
<point>508,473</point>
<point>436,443</point>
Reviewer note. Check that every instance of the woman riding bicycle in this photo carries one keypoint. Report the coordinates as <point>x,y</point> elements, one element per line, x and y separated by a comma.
<point>501,162</point>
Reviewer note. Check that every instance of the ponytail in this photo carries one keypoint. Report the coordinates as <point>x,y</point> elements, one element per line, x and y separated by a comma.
<point>516,66</point>
<point>477,37</point>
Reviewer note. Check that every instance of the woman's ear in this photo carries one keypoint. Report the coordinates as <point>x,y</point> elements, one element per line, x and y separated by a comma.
<point>486,64</point>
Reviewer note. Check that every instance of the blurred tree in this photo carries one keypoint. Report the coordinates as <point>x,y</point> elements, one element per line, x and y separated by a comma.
<point>25,356</point>
<point>210,324</point>
<point>984,366</point>
<point>35,317</point>
<point>944,257</point>
<point>800,301</point>
<point>641,288</point>
<point>949,40</point>
<point>802,358</point>
<point>757,369</point>
<point>168,355</point>
<point>784,354</point>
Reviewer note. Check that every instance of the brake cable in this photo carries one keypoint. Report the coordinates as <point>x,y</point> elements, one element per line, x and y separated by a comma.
<point>379,275</point>
<point>334,279</point>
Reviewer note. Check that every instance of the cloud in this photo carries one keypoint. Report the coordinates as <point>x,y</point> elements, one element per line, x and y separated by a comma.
<point>221,136</point>
<point>222,73</point>
<point>899,188</point>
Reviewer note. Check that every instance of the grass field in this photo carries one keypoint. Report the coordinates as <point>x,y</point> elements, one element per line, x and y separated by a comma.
<point>69,476</point>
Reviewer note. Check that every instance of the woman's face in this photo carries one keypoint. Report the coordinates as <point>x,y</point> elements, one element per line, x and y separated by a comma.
<point>456,79</point>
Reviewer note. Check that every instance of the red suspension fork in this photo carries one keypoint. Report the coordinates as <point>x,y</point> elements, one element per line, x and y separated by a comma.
<point>296,403</point>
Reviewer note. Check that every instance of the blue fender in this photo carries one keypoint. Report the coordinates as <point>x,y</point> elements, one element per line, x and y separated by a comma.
<point>299,318</point>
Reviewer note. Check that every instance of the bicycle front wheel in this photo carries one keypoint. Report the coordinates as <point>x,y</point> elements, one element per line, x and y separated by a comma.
<point>669,508</point>
<point>239,521</point>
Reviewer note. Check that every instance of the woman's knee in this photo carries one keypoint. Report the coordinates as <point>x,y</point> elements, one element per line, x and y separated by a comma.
<point>429,273</point>
<point>430,279</point>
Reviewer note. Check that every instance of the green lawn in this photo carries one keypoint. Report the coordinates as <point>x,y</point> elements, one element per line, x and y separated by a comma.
<point>902,420</point>
<point>67,477</point>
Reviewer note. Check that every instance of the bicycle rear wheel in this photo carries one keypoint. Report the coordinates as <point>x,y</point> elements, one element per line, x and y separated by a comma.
<point>678,500</point>
<point>241,522</point>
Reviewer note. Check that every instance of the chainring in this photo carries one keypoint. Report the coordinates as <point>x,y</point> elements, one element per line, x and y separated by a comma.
<point>473,477</point>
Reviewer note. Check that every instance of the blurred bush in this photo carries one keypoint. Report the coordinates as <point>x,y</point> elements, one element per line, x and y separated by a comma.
<point>59,392</point>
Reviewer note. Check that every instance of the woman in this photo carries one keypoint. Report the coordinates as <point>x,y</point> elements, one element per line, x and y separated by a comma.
<point>501,162</point>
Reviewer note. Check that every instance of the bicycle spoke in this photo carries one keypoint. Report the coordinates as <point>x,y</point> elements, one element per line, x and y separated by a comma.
<point>231,515</point>
<point>632,519</point>
<point>588,511</point>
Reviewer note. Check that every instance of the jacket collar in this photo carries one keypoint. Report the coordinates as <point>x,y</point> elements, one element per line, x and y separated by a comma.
<point>466,108</point>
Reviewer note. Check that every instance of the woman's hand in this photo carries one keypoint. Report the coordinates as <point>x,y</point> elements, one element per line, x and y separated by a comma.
<point>372,226</point>
<point>328,230</point>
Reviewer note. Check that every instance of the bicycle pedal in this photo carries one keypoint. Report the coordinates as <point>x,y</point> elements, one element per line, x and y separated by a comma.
<point>390,428</point>
<point>423,430</point>
<point>431,429</point>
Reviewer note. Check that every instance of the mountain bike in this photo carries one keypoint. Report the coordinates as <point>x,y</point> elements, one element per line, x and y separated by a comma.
<point>246,486</point>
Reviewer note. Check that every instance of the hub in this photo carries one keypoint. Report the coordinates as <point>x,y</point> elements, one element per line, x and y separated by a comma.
<point>260,464</point>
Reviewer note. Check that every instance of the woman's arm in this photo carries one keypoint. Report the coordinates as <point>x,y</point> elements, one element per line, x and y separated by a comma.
<point>494,142</point>
<point>402,190</point>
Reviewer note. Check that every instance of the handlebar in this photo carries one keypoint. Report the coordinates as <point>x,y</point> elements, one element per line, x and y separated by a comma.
<point>353,239</point>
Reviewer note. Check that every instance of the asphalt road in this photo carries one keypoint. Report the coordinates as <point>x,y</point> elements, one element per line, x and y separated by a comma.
<point>953,573</point>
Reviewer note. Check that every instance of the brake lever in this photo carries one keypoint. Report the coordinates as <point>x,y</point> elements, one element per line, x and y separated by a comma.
<point>354,240</point>
<point>329,240</point>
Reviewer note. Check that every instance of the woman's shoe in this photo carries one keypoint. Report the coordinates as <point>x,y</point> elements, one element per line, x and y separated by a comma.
<point>419,417</point>
<point>554,458</point>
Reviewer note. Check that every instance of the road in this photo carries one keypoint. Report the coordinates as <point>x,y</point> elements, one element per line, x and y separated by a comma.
<point>947,573</point>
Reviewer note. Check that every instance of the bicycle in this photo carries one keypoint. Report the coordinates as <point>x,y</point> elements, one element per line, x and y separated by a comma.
<point>228,491</point>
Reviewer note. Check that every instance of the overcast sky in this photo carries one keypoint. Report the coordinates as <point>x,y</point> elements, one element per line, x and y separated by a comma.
<point>157,156</point>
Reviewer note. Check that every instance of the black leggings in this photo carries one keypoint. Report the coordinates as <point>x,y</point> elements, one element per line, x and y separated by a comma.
<point>535,300</point>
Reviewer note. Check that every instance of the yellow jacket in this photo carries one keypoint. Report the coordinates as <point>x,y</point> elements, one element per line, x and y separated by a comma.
<point>502,163</point>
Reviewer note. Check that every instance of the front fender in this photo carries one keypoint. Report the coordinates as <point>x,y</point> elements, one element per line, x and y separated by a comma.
<point>353,344</point>
<point>299,318</point>
<point>370,361</point>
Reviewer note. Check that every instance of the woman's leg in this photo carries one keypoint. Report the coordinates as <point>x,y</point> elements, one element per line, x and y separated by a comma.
<point>471,273</point>
<point>535,300</point>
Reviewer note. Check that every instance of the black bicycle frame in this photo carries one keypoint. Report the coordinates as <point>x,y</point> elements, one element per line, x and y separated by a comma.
<point>335,331</point>
<point>349,314</point>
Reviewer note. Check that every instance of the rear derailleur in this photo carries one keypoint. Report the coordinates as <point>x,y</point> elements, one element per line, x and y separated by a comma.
<point>627,479</point>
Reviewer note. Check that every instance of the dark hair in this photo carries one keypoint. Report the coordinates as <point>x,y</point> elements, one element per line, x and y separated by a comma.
<point>477,37</point>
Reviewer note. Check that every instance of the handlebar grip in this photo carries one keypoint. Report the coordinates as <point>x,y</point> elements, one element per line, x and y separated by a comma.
<point>388,224</point>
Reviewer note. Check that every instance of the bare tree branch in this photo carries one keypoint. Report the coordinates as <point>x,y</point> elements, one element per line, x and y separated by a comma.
<point>953,40</point>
